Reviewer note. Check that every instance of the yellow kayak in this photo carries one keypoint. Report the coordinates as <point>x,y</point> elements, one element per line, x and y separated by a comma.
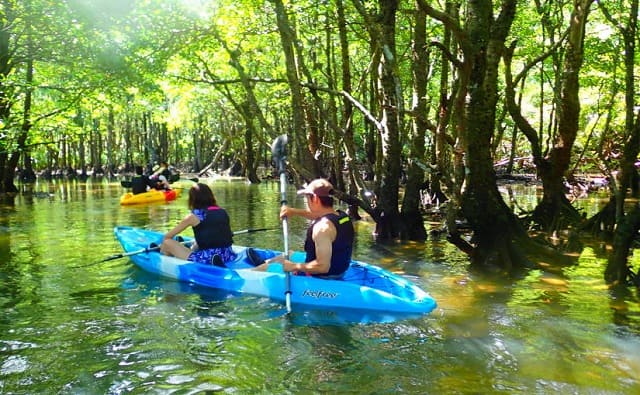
<point>152,196</point>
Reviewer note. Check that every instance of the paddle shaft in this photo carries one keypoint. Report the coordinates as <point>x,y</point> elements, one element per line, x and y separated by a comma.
<point>285,231</point>
<point>127,183</point>
<point>279,154</point>
<point>125,254</point>
<point>145,250</point>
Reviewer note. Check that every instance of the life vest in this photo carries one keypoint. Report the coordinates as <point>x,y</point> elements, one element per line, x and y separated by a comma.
<point>342,246</point>
<point>139,184</point>
<point>214,230</point>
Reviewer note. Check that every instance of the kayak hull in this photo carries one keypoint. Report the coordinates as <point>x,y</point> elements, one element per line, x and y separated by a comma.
<point>364,287</point>
<point>151,196</point>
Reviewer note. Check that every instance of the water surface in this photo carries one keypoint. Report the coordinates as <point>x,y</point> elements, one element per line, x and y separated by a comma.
<point>73,325</point>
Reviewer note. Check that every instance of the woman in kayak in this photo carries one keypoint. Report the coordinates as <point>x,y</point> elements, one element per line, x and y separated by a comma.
<point>161,176</point>
<point>211,228</point>
<point>329,241</point>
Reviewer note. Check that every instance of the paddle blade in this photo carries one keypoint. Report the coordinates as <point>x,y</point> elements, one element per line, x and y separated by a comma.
<point>279,151</point>
<point>112,257</point>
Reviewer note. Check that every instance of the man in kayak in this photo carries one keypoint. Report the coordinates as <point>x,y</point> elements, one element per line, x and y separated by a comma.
<point>140,183</point>
<point>211,228</point>
<point>329,241</point>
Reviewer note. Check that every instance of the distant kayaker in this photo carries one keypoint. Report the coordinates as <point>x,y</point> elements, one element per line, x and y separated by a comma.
<point>161,176</point>
<point>211,228</point>
<point>140,183</point>
<point>329,240</point>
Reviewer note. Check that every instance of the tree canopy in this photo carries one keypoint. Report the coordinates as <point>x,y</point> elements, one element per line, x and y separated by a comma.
<point>400,103</point>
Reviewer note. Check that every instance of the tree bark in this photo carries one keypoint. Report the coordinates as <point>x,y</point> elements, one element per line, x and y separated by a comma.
<point>26,118</point>
<point>381,29</point>
<point>554,208</point>
<point>298,134</point>
<point>413,223</point>
<point>7,19</point>
<point>250,110</point>
<point>617,270</point>
<point>495,228</point>
<point>347,112</point>
<point>391,102</point>
<point>627,225</point>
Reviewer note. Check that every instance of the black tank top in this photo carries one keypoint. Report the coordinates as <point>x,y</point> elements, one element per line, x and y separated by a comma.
<point>342,246</point>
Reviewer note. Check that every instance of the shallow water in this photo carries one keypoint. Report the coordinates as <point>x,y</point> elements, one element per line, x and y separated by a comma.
<point>71,324</point>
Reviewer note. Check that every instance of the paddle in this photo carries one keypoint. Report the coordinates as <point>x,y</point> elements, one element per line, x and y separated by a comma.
<point>279,155</point>
<point>125,254</point>
<point>149,249</point>
<point>193,179</point>
<point>127,183</point>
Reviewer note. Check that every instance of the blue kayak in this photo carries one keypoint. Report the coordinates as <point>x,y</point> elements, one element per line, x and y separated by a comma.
<point>364,287</point>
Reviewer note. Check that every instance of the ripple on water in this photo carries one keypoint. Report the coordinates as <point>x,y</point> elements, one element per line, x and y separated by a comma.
<point>14,364</point>
<point>71,325</point>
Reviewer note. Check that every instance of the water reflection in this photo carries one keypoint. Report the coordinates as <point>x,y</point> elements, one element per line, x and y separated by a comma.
<point>72,324</point>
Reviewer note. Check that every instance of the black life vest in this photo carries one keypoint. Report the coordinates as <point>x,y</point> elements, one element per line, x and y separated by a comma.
<point>214,231</point>
<point>139,184</point>
<point>342,246</point>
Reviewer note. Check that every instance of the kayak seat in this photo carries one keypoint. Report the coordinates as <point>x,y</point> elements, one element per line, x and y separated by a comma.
<point>254,259</point>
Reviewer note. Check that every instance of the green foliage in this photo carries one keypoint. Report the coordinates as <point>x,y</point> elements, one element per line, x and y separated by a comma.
<point>149,63</point>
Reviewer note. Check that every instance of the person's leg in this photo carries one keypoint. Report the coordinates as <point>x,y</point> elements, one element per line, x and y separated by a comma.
<point>175,248</point>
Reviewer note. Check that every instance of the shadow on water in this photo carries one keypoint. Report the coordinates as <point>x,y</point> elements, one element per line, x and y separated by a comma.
<point>254,308</point>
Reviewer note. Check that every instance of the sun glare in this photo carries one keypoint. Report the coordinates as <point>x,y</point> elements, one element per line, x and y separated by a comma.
<point>200,8</point>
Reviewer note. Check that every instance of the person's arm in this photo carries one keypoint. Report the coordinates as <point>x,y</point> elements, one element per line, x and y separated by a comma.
<point>323,234</point>
<point>189,220</point>
<point>158,171</point>
<point>286,211</point>
<point>172,247</point>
